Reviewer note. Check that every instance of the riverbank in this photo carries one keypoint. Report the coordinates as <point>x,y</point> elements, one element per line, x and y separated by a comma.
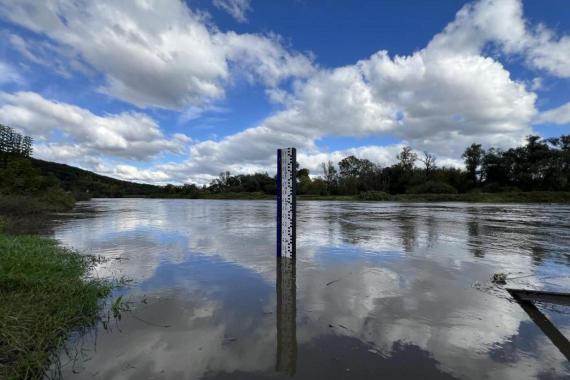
<point>44,288</point>
<point>30,214</point>
<point>46,294</point>
<point>474,197</point>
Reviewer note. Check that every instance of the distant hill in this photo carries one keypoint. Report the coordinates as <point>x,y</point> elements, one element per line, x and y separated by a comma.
<point>85,184</point>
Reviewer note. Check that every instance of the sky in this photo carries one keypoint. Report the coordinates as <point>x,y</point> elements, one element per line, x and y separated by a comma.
<point>169,91</point>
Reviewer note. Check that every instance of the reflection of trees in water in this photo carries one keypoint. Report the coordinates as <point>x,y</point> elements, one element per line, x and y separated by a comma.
<point>407,225</point>
<point>474,238</point>
<point>432,230</point>
<point>353,230</point>
<point>286,315</point>
<point>474,233</point>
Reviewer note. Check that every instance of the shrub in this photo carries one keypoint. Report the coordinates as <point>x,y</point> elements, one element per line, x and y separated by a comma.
<point>374,196</point>
<point>58,199</point>
<point>432,187</point>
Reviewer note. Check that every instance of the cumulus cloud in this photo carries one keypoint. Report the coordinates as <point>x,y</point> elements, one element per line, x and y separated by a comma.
<point>236,8</point>
<point>502,22</point>
<point>130,172</point>
<point>440,98</point>
<point>560,115</point>
<point>129,135</point>
<point>155,53</point>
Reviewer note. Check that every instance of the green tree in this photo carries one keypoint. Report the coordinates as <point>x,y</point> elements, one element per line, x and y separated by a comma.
<point>473,157</point>
<point>407,158</point>
<point>303,181</point>
<point>331,177</point>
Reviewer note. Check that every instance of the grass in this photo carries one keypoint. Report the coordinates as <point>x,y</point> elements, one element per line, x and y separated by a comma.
<point>510,197</point>
<point>244,195</point>
<point>474,197</point>
<point>29,214</point>
<point>16,205</point>
<point>45,295</point>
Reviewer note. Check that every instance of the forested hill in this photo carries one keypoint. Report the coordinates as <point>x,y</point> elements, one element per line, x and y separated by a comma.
<point>85,184</point>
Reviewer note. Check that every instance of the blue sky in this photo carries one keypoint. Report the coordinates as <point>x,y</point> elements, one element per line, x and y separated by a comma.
<point>170,91</point>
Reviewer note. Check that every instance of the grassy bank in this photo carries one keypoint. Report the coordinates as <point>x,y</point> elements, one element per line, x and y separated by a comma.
<point>511,197</point>
<point>44,295</point>
<point>19,205</point>
<point>21,214</point>
<point>476,197</point>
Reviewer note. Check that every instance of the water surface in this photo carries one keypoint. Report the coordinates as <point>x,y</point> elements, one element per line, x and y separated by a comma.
<point>378,290</point>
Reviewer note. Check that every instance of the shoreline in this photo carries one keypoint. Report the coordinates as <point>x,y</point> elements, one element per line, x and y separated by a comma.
<point>474,197</point>
<point>47,294</point>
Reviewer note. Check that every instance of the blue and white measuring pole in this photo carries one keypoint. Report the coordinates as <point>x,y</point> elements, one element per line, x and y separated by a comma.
<point>286,201</point>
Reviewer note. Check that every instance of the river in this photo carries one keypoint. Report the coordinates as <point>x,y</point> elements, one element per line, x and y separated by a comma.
<point>378,290</point>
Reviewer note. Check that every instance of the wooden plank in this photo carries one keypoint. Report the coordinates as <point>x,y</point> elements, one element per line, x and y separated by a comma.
<point>537,295</point>
<point>525,299</point>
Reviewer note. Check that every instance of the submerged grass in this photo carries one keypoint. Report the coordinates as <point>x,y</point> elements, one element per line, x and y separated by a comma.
<point>44,296</point>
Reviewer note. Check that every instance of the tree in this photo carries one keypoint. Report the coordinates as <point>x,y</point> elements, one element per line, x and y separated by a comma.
<point>407,158</point>
<point>473,157</point>
<point>4,141</point>
<point>13,145</point>
<point>357,174</point>
<point>304,181</point>
<point>331,177</point>
<point>27,146</point>
<point>429,162</point>
<point>495,168</point>
<point>349,167</point>
<point>4,132</point>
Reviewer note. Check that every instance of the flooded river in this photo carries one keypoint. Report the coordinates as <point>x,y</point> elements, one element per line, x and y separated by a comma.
<point>378,290</point>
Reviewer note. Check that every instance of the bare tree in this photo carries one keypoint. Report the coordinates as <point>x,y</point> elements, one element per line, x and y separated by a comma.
<point>429,162</point>
<point>330,175</point>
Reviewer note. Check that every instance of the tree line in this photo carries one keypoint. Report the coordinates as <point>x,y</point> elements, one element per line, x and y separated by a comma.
<point>14,144</point>
<point>24,188</point>
<point>538,165</point>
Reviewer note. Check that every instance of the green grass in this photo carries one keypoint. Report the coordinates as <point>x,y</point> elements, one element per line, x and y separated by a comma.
<point>16,205</point>
<point>510,197</point>
<point>311,197</point>
<point>244,195</point>
<point>475,197</point>
<point>44,296</point>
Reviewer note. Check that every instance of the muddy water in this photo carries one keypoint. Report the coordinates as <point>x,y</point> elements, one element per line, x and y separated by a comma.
<point>378,290</point>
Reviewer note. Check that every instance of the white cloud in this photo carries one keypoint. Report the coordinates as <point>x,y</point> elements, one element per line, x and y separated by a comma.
<point>130,135</point>
<point>451,97</point>
<point>129,172</point>
<point>22,47</point>
<point>560,115</point>
<point>433,100</point>
<point>156,53</point>
<point>440,98</point>
<point>236,8</point>
<point>502,22</point>
<point>8,74</point>
<point>61,60</point>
